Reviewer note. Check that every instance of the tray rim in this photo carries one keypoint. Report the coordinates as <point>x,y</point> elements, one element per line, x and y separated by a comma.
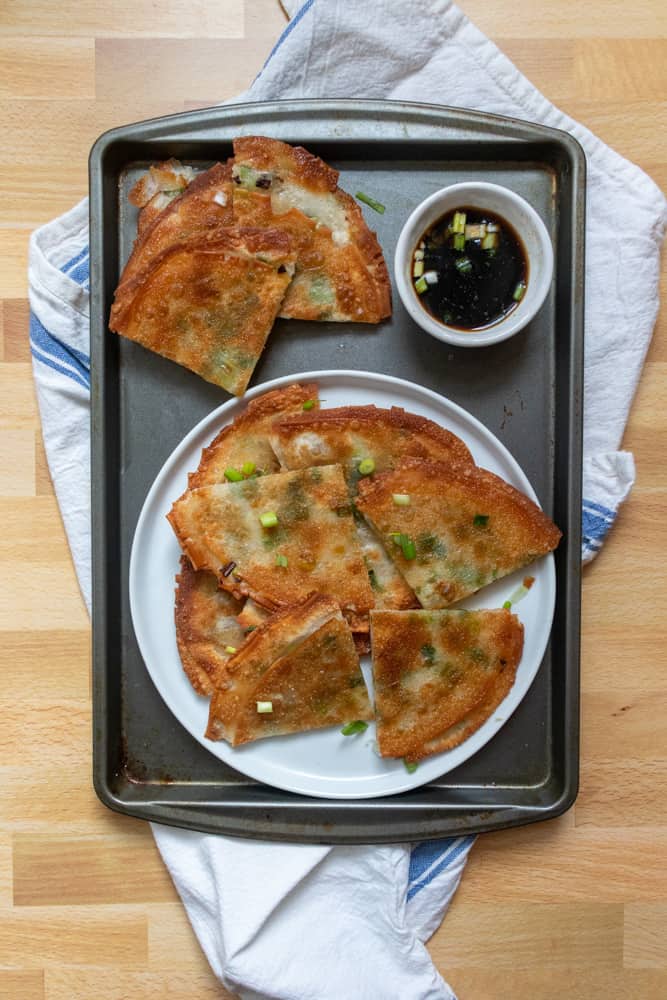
<point>214,817</point>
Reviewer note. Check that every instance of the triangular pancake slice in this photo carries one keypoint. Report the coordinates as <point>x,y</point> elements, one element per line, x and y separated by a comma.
<point>202,205</point>
<point>439,675</point>
<point>207,631</point>
<point>245,442</point>
<point>301,668</point>
<point>209,303</point>
<point>453,529</point>
<point>341,274</point>
<point>350,434</point>
<point>311,547</point>
<point>345,435</point>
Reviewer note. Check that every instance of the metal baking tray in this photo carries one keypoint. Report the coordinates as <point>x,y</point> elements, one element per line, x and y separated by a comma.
<point>527,391</point>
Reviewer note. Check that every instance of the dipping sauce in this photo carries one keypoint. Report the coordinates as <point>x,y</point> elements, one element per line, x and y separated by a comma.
<point>470,269</point>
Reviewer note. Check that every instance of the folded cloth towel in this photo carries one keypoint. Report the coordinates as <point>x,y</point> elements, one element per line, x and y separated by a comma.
<point>318,922</point>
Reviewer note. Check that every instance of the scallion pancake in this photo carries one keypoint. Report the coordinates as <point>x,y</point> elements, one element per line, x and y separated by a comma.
<point>439,675</point>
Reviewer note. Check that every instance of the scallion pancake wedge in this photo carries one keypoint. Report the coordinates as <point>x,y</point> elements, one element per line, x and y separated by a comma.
<point>306,544</point>
<point>245,442</point>
<point>193,206</point>
<point>341,274</point>
<point>209,303</point>
<point>452,529</point>
<point>207,630</point>
<point>352,436</point>
<point>301,669</point>
<point>438,675</point>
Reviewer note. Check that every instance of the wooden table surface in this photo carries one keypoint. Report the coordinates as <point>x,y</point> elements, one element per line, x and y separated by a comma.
<point>575,907</point>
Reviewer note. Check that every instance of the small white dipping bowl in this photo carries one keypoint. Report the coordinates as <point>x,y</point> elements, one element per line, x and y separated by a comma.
<point>529,227</point>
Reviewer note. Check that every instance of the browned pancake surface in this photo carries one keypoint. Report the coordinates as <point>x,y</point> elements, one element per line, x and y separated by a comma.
<point>209,303</point>
<point>313,547</point>
<point>247,438</point>
<point>303,662</point>
<point>438,675</point>
<point>340,273</point>
<point>206,625</point>
<point>468,527</point>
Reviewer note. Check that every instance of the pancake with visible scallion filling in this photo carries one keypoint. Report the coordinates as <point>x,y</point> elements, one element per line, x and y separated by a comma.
<point>341,274</point>
<point>207,630</point>
<point>209,302</point>
<point>278,539</point>
<point>439,675</point>
<point>452,529</point>
<point>299,671</point>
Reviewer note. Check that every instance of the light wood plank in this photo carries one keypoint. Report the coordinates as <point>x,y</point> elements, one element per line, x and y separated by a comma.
<point>74,936</point>
<point>22,597</point>
<point>16,330</point>
<point>554,19</point>
<point>645,941</point>
<point>17,463</point>
<point>593,984</point>
<point>22,984</point>
<point>82,984</point>
<point>178,18</point>
<point>73,871</point>
<point>67,676</point>
<point>171,940</point>
<point>57,68</point>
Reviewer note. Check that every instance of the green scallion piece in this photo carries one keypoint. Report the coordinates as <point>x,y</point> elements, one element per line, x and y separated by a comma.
<point>408,548</point>
<point>366,466</point>
<point>490,241</point>
<point>308,405</point>
<point>418,269</point>
<point>421,285</point>
<point>282,560</point>
<point>463,265</point>
<point>480,520</point>
<point>377,206</point>
<point>352,728</point>
<point>268,519</point>
<point>459,241</point>
<point>264,707</point>
<point>459,222</point>
<point>248,468</point>
<point>230,649</point>
<point>507,605</point>
<point>519,291</point>
<point>233,475</point>
<point>410,765</point>
<point>401,499</point>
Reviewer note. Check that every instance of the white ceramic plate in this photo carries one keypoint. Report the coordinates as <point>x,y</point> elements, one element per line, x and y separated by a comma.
<point>322,763</point>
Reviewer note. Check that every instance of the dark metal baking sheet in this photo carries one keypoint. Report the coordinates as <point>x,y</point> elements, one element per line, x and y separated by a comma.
<point>527,391</point>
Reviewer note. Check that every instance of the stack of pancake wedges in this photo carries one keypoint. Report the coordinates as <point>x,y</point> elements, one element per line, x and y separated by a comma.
<point>220,254</point>
<point>310,536</point>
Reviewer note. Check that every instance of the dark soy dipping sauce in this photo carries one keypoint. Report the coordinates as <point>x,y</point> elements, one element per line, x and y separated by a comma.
<point>486,290</point>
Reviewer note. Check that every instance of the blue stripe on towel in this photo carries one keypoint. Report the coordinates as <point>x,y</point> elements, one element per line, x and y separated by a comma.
<point>455,847</point>
<point>73,261</point>
<point>289,28</point>
<point>60,357</point>
<point>595,526</point>
<point>599,509</point>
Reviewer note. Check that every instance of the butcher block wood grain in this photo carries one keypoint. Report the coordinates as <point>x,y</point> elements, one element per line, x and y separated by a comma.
<point>575,907</point>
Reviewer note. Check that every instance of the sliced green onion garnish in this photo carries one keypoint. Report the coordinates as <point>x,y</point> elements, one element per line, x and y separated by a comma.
<point>230,649</point>
<point>410,765</point>
<point>418,269</point>
<point>507,605</point>
<point>308,405</point>
<point>377,206</point>
<point>519,291</point>
<point>463,265</point>
<point>269,519</point>
<point>248,468</point>
<point>408,548</point>
<point>459,241</point>
<point>401,499</point>
<point>354,727</point>
<point>480,520</point>
<point>420,286</point>
<point>233,475</point>
<point>490,241</point>
<point>459,222</point>
<point>366,466</point>
<point>418,255</point>
<point>282,560</point>
<point>263,707</point>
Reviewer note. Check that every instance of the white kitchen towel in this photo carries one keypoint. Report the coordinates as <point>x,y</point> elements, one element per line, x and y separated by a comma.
<point>281,921</point>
